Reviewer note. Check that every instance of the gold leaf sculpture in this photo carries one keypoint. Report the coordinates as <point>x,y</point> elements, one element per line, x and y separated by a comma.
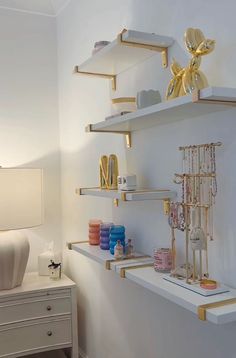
<point>186,80</point>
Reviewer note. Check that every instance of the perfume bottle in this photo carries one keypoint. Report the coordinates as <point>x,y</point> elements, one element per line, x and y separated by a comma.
<point>118,250</point>
<point>129,248</point>
<point>54,270</point>
<point>117,232</point>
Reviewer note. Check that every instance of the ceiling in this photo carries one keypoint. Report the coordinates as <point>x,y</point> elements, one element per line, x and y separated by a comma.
<point>43,7</point>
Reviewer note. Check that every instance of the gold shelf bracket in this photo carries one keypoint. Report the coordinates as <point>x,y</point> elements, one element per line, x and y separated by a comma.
<point>162,50</point>
<point>102,75</point>
<point>69,244</point>
<point>203,308</point>
<point>196,98</point>
<point>109,262</point>
<point>127,134</point>
<point>124,269</point>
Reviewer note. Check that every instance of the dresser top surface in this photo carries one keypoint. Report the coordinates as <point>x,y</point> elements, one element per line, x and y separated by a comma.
<point>32,282</point>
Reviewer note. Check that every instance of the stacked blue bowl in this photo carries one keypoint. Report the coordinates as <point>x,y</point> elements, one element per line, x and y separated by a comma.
<point>105,235</point>
<point>117,232</point>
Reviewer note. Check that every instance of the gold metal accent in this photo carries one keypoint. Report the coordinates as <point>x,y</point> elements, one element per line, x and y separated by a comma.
<point>123,196</point>
<point>89,128</point>
<point>189,79</point>
<point>128,140</point>
<point>103,172</point>
<point>163,50</point>
<point>79,191</point>
<point>109,262</point>
<point>112,172</point>
<point>201,310</point>
<point>123,99</point>
<point>116,202</point>
<point>102,75</point>
<point>217,144</point>
<point>69,244</point>
<point>166,206</point>
<point>196,98</point>
<point>210,175</point>
<point>164,57</point>
<point>124,269</point>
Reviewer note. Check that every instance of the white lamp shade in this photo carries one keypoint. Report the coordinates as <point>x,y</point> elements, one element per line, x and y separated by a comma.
<point>20,198</point>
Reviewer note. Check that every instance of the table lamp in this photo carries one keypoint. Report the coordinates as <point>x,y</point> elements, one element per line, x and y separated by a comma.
<point>20,208</point>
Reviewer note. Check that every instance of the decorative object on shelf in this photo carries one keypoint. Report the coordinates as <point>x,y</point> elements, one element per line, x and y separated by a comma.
<point>105,235</point>
<point>20,208</point>
<point>163,260</point>
<point>117,232</point>
<point>189,79</point>
<point>108,169</point>
<point>176,221</point>
<point>99,45</point>
<point>124,104</point>
<point>182,273</point>
<point>118,250</point>
<point>208,284</point>
<point>94,231</point>
<point>103,167</point>
<point>199,189</point>
<point>129,248</point>
<point>147,98</point>
<point>46,257</point>
<point>113,172</point>
<point>54,270</point>
<point>127,182</point>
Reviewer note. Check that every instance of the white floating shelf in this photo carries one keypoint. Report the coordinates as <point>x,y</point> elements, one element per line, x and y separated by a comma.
<point>93,252</point>
<point>137,195</point>
<point>154,281</point>
<point>208,100</point>
<point>103,256</point>
<point>128,49</point>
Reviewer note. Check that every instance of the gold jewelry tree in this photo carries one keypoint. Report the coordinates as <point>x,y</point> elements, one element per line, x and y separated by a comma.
<point>194,214</point>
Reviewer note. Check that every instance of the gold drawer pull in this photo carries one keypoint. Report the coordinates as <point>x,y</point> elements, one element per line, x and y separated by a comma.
<point>49,333</point>
<point>49,308</point>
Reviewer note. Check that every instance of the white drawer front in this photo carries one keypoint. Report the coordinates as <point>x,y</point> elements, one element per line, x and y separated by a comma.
<point>25,309</point>
<point>22,339</point>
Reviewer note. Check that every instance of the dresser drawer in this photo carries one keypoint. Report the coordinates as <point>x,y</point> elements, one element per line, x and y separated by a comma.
<point>34,336</point>
<point>31,308</point>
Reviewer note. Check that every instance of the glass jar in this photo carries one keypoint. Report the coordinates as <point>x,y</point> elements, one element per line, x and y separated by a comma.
<point>162,259</point>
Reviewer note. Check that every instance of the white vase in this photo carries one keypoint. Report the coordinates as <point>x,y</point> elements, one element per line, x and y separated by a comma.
<point>14,254</point>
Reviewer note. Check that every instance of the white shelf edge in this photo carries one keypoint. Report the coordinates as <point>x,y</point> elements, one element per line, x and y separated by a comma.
<point>185,298</point>
<point>154,281</point>
<point>130,35</point>
<point>139,195</point>
<point>178,109</point>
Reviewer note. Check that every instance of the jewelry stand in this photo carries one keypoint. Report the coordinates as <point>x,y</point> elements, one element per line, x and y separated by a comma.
<point>199,189</point>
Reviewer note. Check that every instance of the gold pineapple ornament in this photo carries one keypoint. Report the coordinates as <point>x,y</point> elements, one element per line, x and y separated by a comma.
<point>188,79</point>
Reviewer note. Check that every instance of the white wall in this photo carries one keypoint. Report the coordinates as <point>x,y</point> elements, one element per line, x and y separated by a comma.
<point>118,318</point>
<point>29,131</point>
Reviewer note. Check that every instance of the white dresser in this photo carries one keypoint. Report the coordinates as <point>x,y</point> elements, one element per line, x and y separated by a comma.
<point>40,315</point>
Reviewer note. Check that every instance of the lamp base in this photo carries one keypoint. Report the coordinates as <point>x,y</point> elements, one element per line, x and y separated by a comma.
<point>14,254</point>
